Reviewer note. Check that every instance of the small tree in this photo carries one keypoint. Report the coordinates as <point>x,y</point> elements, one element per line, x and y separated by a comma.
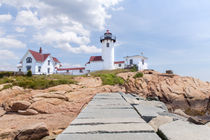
<point>29,73</point>
<point>138,75</point>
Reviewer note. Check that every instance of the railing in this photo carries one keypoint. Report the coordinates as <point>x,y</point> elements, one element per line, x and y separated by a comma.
<point>108,37</point>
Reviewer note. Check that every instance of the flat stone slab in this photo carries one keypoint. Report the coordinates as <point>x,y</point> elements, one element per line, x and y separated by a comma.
<point>182,130</point>
<point>109,114</point>
<point>118,136</point>
<point>108,102</point>
<point>148,111</point>
<point>106,121</point>
<point>109,128</point>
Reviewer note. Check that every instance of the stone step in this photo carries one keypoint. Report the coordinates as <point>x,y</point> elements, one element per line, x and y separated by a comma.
<point>118,136</point>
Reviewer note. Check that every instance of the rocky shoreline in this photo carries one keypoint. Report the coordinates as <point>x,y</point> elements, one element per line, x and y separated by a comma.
<point>186,93</point>
<point>54,108</point>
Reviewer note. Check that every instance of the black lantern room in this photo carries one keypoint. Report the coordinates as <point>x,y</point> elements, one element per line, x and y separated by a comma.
<point>108,36</point>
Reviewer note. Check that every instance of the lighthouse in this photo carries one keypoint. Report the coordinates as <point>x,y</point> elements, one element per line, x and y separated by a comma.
<point>107,41</point>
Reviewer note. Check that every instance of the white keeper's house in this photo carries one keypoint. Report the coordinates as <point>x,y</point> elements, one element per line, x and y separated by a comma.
<point>40,63</point>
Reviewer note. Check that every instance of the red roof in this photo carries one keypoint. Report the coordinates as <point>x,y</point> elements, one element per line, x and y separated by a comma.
<point>41,57</point>
<point>56,60</point>
<point>96,58</point>
<point>63,69</point>
<point>119,62</point>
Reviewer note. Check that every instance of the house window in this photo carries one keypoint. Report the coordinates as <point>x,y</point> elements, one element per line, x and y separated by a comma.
<point>48,70</point>
<point>39,69</point>
<point>48,62</point>
<point>131,61</point>
<point>107,44</point>
<point>28,68</point>
<point>143,62</point>
<point>28,60</point>
<point>119,65</point>
<point>81,71</point>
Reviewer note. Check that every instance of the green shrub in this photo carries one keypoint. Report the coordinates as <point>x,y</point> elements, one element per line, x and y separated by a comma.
<point>138,75</point>
<point>134,68</point>
<point>40,81</point>
<point>29,73</point>
<point>6,74</point>
<point>111,79</point>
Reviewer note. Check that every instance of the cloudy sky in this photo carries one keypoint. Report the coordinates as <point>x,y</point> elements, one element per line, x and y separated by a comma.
<point>174,34</point>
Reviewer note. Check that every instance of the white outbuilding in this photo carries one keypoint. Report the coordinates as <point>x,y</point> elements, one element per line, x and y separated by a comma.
<point>138,60</point>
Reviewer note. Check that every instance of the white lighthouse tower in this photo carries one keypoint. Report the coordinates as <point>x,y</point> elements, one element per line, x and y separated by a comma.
<point>108,41</point>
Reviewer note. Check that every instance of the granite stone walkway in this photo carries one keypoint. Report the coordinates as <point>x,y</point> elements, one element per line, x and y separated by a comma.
<point>108,117</point>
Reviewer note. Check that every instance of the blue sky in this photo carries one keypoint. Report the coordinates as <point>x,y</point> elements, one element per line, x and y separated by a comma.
<point>173,34</point>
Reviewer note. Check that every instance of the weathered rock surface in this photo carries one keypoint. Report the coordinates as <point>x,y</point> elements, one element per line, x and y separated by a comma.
<point>181,113</point>
<point>208,124</point>
<point>20,105</point>
<point>174,90</point>
<point>2,111</point>
<point>28,112</point>
<point>182,130</point>
<point>8,134</point>
<point>53,137</point>
<point>160,120</point>
<point>34,132</point>
<point>51,106</point>
<point>196,120</point>
<point>51,95</point>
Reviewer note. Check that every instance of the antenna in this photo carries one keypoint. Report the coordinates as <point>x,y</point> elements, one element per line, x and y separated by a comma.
<point>142,53</point>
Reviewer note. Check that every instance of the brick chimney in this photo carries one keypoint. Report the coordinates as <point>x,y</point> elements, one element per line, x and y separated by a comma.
<point>40,50</point>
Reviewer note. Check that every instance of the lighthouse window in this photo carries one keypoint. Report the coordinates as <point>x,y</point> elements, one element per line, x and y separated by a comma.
<point>39,69</point>
<point>107,44</point>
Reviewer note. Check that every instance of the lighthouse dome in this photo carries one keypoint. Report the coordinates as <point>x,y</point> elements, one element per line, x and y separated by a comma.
<point>108,36</point>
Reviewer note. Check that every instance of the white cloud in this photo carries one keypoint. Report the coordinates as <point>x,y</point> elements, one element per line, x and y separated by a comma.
<point>20,30</point>
<point>117,8</point>
<point>28,18</point>
<point>80,49</point>
<point>5,18</point>
<point>64,24</point>
<point>52,36</point>
<point>2,32</point>
<point>6,54</point>
<point>5,66</point>
<point>11,43</point>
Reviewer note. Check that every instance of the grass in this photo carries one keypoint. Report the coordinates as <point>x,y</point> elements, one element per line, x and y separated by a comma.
<point>6,87</point>
<point>109,77</point>
<point>115,72</point>
<point>138,75</point>
<point>38,81</point>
